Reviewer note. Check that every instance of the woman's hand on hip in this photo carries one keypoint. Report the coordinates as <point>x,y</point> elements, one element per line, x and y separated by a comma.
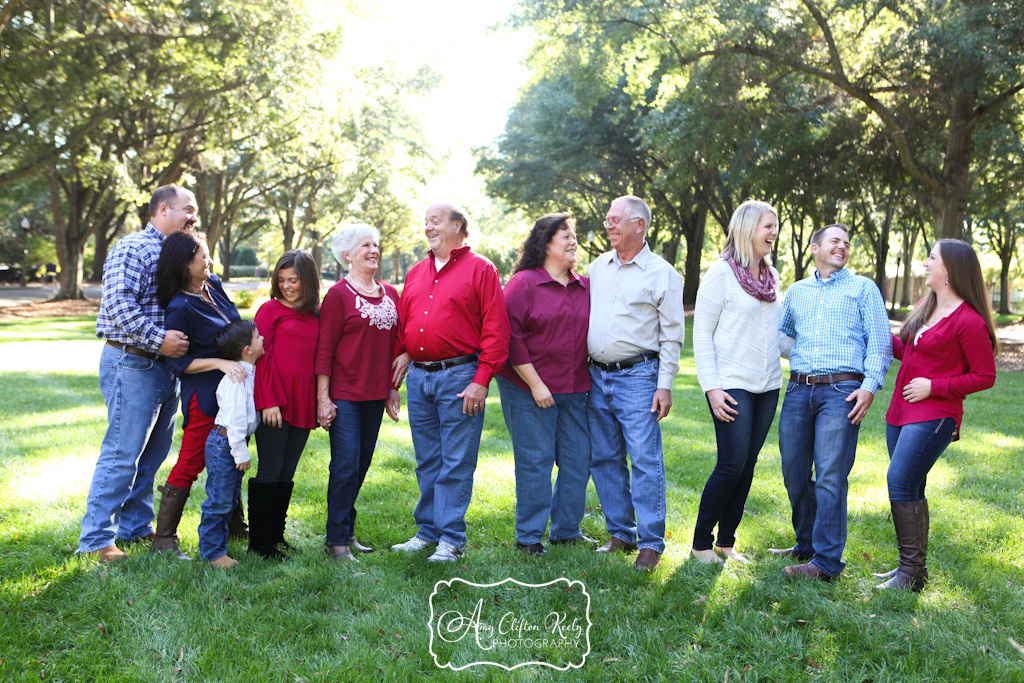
<point>272,416</point>
<point>917,389</point>
<point>720,408</point>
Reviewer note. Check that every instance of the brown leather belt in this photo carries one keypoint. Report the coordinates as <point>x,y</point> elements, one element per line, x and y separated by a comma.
<point>223,432</point>
<point>826,379</point>
<point>134,350</point>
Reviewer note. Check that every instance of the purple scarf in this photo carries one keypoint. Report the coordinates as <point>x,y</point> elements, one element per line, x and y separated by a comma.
<point>762,288</point>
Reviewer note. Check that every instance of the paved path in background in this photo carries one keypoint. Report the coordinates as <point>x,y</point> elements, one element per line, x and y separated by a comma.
<point>16,296</point>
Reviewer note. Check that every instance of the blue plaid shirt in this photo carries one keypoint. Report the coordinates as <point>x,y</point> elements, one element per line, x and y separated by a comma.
<point>840,325</point>
<point>129,312</point>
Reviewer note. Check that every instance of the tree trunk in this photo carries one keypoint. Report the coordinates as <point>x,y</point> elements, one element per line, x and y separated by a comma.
<point>69,243</point>
<point>951,206</point>
<point>694,248</point>
<point>396,266</point>
<point>1004,283</point>
<point>909,243</point>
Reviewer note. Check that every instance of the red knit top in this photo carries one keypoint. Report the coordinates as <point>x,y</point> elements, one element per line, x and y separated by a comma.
<point>284,375</point>
<point>956,355</point>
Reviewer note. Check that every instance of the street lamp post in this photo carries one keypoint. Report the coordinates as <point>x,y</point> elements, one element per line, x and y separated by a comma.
<point>25,225</point>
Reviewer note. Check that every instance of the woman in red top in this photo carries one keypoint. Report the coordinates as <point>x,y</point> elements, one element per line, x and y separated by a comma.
<point>359,330</point>
<point>285,394</point>
<point>947,350</point>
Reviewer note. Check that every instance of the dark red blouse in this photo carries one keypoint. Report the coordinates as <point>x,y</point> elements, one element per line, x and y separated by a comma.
<point>456,311</point>
<point>284,375</point>
<point>549,329</point>
<point>956,355</point>
<point>358,340</point>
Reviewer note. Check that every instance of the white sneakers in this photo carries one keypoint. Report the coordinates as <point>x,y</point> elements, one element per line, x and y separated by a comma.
<point>445,553</point>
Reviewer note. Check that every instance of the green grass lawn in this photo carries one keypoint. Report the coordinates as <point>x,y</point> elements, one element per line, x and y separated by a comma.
<point>307,619</point>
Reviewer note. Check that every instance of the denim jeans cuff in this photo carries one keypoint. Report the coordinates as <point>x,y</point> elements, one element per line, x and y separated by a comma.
<point>656,547</point>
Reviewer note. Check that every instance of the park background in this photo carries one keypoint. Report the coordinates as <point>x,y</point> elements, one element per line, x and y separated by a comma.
<point>290,120</point>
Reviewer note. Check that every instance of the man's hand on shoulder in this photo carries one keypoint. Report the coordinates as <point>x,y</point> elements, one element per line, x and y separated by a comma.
<point>661,404</point>
<point>863,399</point>
<point>175,344</point>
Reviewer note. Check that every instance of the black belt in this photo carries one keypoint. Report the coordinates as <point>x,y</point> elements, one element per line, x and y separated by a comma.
<point>134,350</point>
<point>826,379</point>
<point>434,366</point>
<point>624,364</point>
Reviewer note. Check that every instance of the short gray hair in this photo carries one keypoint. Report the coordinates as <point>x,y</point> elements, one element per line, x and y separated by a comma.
<point>349,237</point>
<point>637,208</point>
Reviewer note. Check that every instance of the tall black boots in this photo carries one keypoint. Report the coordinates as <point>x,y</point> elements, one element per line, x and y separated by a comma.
<point>268,511</point>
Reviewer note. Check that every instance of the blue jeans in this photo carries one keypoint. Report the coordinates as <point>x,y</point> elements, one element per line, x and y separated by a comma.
<point>913,450</point>
<point>447,443</point>
<point>815,432</point>
<point>739,443</point>
<point>142,402</point>
<point>542,437</point>
<point>223,492</point>
<point>621,422</point>
<point>353,438</point>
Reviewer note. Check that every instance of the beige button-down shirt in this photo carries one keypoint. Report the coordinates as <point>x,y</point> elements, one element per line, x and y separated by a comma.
<point>636,307</point>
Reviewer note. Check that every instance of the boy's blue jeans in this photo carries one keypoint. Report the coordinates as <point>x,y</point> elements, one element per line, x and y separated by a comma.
<point>223,490</point>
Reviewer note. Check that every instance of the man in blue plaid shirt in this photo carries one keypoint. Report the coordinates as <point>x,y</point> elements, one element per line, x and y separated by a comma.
<point>836,334</point>
<point>138,387</point>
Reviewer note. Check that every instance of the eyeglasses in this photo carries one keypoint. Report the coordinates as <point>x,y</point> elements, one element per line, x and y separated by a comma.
<point>617,221</point>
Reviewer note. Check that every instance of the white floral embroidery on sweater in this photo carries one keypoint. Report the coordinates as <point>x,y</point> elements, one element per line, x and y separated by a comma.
<point>383,316</point>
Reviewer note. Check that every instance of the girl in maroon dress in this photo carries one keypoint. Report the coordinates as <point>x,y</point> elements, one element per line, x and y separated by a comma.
<point>947,350</point>
<point>285,394</point>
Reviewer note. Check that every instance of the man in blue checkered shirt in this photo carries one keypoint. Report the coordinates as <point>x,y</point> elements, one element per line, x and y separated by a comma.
<point>138,387</point>
<point>836,333</point>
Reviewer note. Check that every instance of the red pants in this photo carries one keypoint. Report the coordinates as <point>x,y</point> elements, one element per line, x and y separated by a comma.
<point>192,457</point>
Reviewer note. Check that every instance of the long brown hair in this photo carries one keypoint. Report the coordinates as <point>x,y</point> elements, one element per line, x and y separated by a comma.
<point>305,268</point>
<point>964,272</point>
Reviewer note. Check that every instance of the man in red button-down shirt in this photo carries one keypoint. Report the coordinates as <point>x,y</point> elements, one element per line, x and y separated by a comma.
<point>456,335</point>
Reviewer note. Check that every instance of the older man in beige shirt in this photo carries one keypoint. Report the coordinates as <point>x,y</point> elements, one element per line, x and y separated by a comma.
<point>636,334</point>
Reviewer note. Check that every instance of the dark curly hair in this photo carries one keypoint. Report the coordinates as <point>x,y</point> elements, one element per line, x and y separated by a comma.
<point>534,250</point>
<point>172,274</point>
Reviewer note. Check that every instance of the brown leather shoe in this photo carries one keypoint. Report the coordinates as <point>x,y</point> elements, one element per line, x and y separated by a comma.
<point>109,554</point>
<point>788,552</point>
<point>614,544</point>
<point>532,548</point>
<point>358,547</point>
<point>808,571</point>
<point>340,553</point>
<point>582,540</point>
<point>647,560</point>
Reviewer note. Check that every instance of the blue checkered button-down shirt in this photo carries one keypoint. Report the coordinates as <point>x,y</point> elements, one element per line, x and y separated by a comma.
<point>129,312</point>
<point>840,325</point>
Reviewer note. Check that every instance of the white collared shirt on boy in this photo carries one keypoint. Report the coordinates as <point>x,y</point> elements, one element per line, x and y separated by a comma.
<point>236,411</point>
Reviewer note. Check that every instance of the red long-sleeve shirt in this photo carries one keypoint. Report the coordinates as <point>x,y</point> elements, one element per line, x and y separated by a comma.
<point>284,375</point>
<point>956,355</point>
<point>358,337</point>
<point>456,311</point>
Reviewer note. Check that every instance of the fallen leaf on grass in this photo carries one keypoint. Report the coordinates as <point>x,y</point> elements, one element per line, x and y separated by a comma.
<point>1016,645</point>
<point>609,660</point>
<point>867,558</point>
<point>103,629</point>
<point>917,624</point>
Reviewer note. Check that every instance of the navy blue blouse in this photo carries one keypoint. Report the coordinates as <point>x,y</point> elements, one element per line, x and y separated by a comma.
<point>201,321</point>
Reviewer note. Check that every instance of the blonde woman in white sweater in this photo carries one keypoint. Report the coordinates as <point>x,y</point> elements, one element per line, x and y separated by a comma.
<point>736,348</point>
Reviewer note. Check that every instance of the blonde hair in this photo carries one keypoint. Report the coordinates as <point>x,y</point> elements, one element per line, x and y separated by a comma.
<point>742,226</point>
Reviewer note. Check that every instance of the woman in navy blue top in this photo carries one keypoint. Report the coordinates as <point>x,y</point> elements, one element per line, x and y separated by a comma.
<point>197,305</point>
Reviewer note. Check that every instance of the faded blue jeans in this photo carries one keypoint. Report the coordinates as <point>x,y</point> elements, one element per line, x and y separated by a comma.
<point>621,423</point>
<point>142,402</point>
<point>223,492</point>
<point>447,443</point>
<point>543,437</point>
<point>814,432</point>
<point>913,450</point>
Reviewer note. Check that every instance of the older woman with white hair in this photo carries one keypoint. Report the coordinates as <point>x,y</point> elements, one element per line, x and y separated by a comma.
<point>359,330</point>
<point>736,349</point>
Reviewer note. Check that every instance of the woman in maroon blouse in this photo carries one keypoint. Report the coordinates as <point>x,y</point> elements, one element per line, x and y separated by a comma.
<point>947,350</point>
<point>285,394</point>
<point>545,383</point>
<point>359,332</point>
